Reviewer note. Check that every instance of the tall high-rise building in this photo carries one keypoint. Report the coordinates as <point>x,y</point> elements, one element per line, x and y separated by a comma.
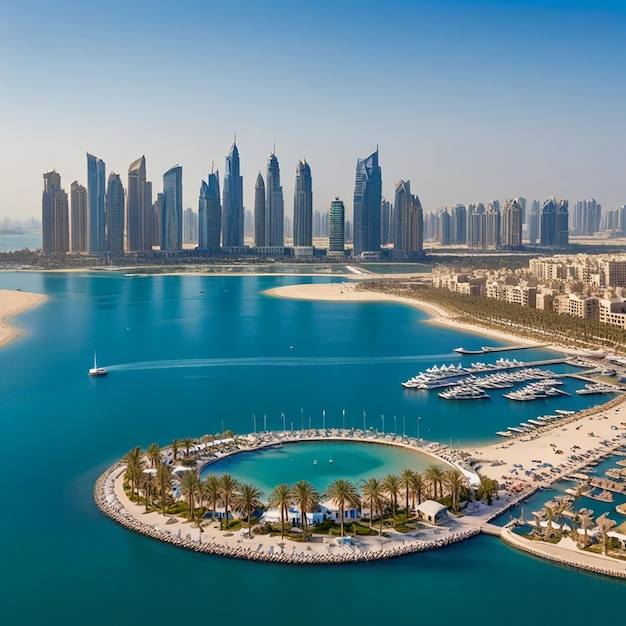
<point>172,210</point>
<point>444,228</point>
<point>96,188</point>
<point>115,215</point>
<point>459,225</point>
<point>367,202</point>
<point>155,211</point>
<point>409,223</point>
<point>512,224</point>
<point>534,222</point>
<point>210,214</point>
<point>562,223</point>
<point>386,222</point>
<point>548,223</point>
<point>476,226</point>
<point>259,211</point>
<point>274,207</point>
<point>232,232</point>
<point>55,223</point>
<point>303,206</point>
<point>492,225</point>
<point>139,208</point>
<point>336,238</point>
<point>190,226</point>
<point>78,206</point>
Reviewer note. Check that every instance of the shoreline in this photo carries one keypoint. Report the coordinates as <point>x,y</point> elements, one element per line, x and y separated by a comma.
<point>12,303</point>
<point>112,500</point>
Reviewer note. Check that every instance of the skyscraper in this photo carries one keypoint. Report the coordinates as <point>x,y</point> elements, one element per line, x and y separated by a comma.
<point>96,185</point>
<point>336,239</point>
<point>78,206</point>
<point>492,225</point>
<point>409,223</point>
<point>367,201</point>
<point>303,206</point>
<point>274,208</point>
<point>232,235</point>
<point>115,215</point>
<point>512,225</point>
<point>190,226</point>
<point>210,214</point>
<point>54,216</point>
<point>548,223</point>
<point>562,223</point>
<point>259,211</point>
<point>139,208</point>
<point>172,210</point>
<point>459,224</point>
<point>534,222</point>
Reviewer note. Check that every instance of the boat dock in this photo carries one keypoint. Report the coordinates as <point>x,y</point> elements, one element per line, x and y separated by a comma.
<point>608,485</point>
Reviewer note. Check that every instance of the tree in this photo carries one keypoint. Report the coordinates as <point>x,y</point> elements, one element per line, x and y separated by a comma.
<point>306,498</point>
<point>343,492</point>
<point>405,482</point>
<point>135,464</point>
<point>228,488</point>
<point>391,485</point>
<point>605,525</point>
<point>454,480</point>
<point>374,491</point>
<point>211,488</point>
<point>154,454</point>
<point>434,475</point>
<point>187,444</point>
<point>417,487</point>
<point>175,448</point>
<point>163,479</point>
<point>281,498</point>
<point>190,488</point>
<point>246,499</point>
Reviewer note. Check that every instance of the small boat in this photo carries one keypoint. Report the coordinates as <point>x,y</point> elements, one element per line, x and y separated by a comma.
<point>315,462</point>
<point>95,370</point>
<point>331,461</point>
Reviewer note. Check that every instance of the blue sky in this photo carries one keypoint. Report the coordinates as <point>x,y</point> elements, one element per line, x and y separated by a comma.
<point>471,101</point>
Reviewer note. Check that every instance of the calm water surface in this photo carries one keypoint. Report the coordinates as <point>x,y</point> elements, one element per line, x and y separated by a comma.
<point>192,355</point>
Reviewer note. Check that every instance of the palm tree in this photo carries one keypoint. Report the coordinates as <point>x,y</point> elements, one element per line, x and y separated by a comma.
<point>175,447</point>
<point>134,468</point>
<point>187,443</point>
<point>211,487</point>
<point>487,486</point>
<point>306,498</point>
<point>163,477</point>
<point>189,487</point>
<point>154,454</point>
<point>586,523</point>
<point>434,475</point>
<point>281,498</point>
<point>455,481</point>
<point>374,491</point>
<point>248,498</point>
<point>228,488</point>
<point>391,485</point>
<point>405,481</point>
<point>417,487</point>
<point>343,492</point>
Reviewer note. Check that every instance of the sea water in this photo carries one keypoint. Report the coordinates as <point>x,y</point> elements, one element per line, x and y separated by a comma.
<point>193,355</point>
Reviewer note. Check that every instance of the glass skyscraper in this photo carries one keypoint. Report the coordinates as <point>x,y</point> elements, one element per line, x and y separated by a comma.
<point>367,202</point>
<point>54,215</point>
<point>96,187</point>
<point>274,208</point>
<point>139,208</point>
<point>78,206</point>
<point>210,214</point>
<point>232,204</point>
<point>115,215</point>
<point>259,211</point>
<point>303,206</point>
<point>172,210</point>
<point>336,238</point>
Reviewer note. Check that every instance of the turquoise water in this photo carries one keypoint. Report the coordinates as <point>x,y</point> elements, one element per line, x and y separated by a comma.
<point>211,352</point>
<point>30,239</point>
<point>319,463</point>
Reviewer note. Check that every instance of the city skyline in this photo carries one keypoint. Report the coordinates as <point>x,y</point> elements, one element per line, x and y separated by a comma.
<point>549,100</point>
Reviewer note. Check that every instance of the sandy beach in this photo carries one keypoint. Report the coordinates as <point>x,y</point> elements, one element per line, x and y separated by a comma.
<point>13,303</point>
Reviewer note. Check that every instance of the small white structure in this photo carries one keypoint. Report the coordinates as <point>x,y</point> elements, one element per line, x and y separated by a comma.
<point>432,512</point>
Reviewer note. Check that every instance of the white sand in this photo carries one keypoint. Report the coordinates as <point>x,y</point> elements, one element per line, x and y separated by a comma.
<point>13,303</point>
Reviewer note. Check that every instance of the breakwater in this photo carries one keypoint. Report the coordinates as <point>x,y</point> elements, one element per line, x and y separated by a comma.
<point>107,501</point>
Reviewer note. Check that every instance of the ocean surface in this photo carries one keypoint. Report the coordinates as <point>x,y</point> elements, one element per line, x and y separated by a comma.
<point>192,355</point>
<point>30,239</point>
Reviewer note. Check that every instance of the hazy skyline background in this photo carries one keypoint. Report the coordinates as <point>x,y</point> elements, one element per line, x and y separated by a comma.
<point>470,101</point>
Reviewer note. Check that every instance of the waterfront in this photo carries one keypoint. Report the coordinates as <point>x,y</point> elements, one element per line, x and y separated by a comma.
<point>218,357</point>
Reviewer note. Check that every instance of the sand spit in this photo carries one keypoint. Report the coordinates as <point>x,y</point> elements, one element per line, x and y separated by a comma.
<point>13,303</point>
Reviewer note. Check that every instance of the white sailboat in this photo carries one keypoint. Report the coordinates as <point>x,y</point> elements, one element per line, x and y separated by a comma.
<point>95,370</point>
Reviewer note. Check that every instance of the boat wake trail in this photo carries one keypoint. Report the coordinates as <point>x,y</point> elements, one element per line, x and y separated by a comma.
<point>266,361</point>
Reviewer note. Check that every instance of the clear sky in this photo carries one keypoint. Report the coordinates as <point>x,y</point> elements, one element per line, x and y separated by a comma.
<point>469,100</point>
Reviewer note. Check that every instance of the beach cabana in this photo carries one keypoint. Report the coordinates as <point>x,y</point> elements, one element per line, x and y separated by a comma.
<point>432,512</point>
